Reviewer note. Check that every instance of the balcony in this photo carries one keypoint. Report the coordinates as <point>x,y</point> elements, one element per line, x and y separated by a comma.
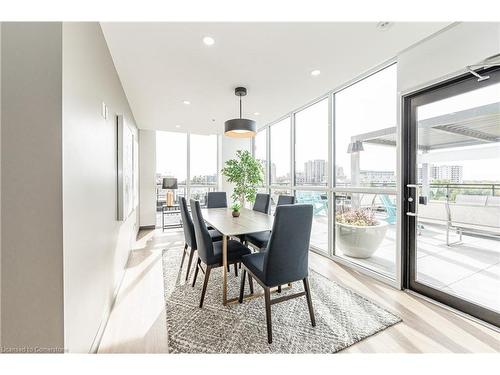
<point>444,261</point>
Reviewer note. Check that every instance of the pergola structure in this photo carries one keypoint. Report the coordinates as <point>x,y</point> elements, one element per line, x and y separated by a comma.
<point>470,127</point>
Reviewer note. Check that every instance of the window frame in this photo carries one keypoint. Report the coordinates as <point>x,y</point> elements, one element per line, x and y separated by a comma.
<point>188,184</point>
<point>331,188</point>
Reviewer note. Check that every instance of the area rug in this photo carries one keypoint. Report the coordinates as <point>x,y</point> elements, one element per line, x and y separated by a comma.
<point>343,317</point>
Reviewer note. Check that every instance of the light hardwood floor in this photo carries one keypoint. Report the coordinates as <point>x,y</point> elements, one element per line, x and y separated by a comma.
<point>137,323</point>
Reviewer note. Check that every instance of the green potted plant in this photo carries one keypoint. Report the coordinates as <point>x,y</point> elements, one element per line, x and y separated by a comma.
<point>236,209</point>
<point>247,174</point>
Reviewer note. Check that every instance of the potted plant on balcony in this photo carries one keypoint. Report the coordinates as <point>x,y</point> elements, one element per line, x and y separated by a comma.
<point>247,174</point>
<point>358,233</point>
<point>236,209</point>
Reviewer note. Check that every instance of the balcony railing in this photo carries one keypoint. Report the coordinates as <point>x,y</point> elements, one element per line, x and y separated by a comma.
<point>449,191</point>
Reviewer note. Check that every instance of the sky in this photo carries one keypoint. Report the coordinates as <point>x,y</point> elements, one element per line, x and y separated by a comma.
<point>369,105</point>
<point>481,169</point>
<point>171,154</point>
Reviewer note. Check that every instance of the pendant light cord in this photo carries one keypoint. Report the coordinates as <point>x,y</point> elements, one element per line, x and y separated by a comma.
<point>240,106</point>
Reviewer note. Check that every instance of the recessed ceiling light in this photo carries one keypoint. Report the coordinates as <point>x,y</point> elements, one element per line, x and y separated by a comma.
<point>316,72</point>
<point>209,41</point>
<point>256,113</point>
<point>177,126</point>
<point>187,102</point>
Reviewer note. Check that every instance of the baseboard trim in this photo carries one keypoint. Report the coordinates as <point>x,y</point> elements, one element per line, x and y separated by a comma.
<point>105,318</point>
<point>147,227</point>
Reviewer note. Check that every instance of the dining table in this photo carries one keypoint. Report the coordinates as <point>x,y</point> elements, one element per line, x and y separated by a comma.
<point>249,221</point>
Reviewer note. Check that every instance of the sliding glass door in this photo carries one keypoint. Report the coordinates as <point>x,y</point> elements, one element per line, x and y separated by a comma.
<point>452,194</point>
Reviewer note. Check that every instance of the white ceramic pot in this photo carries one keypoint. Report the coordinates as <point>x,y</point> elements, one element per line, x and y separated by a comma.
<point>360,241</point>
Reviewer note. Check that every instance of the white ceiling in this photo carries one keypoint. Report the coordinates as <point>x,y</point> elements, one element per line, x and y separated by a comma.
<point>162,64</point>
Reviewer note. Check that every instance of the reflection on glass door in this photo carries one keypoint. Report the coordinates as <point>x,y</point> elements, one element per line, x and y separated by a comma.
<point>453,195</point>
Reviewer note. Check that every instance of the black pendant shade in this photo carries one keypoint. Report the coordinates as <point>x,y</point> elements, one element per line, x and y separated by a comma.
<point>240,127</point>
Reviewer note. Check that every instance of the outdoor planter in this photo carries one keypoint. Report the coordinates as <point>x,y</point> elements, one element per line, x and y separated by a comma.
<point>360,241</point>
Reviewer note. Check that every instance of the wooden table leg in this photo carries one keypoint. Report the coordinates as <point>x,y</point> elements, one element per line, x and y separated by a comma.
<point>224,270</point>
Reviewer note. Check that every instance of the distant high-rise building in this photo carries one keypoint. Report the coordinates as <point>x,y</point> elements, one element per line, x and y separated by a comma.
<point>451,173</point>
<point>300,178</point>
<point>315,171</point>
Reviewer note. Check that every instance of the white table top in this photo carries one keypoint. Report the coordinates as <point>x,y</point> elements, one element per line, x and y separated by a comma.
<point>249,221</point>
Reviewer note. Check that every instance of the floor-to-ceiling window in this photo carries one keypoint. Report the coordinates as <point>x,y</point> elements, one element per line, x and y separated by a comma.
<point>339,154</point>
<point>365,172</point>
<point>171,163</point>
<point>202,165</point>
<point>311,167</point>
<point>259,149</point>
<point>186,166</point>
<point>280,153</point>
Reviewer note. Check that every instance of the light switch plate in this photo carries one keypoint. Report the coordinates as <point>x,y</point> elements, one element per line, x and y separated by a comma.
<point>104,111</point>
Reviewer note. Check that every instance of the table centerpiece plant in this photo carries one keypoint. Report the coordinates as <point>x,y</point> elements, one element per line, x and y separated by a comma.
<point>236,207</point>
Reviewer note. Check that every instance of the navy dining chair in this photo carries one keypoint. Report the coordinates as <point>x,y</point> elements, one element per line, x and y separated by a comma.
<point>210,252</point>
<point>216,199</point>
<point>285,259</point>
<point>260,239</point>
<point>262,203</point>
<point>189,235</point>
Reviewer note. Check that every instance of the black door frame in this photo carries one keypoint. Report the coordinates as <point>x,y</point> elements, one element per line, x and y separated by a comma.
<point>410,102</point>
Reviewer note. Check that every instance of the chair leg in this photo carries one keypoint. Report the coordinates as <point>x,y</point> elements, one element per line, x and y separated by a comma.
<point>236,270</point>
<point>198,262</point>
<point>250,283</point>
<point>242,285</point>
<point>309,301</point>
<point>267,297</point>
<point>189,263</point>
<point>183,255</point>
<point>205,283</point>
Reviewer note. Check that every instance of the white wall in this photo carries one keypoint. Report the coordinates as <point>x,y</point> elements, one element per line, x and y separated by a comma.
<point>96,245</point>
<point>31,155</point>
<point>447,53</point>
<point>147,178</point>
<point>228,151</point>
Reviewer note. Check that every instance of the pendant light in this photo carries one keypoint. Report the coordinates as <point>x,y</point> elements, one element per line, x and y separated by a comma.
<point>240,127</point>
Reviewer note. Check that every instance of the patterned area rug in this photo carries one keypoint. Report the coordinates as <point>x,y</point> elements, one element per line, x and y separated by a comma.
<point>342,317</point>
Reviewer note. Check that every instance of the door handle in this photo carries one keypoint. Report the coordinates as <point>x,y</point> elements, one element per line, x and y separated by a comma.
<point>411,200</point>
